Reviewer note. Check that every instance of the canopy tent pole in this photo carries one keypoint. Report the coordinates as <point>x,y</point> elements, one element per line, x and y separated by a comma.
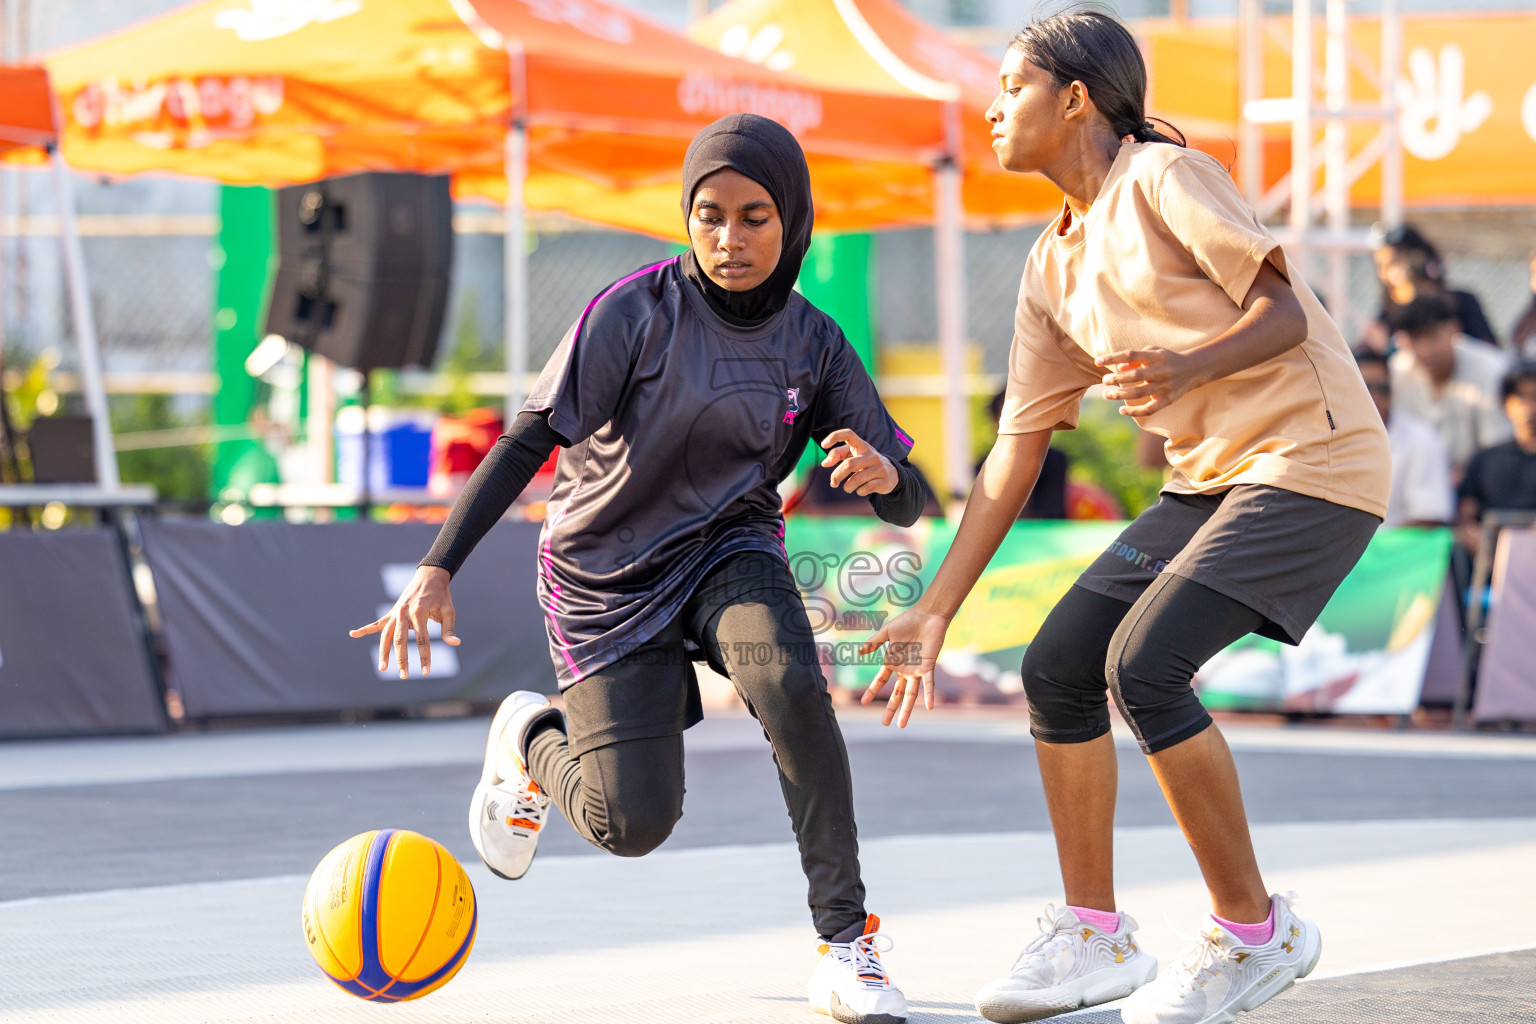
<point>85,325</point>
<point>949,274</point>
<point>514,240</point>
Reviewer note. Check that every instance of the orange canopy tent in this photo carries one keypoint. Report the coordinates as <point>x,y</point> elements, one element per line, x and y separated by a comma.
<point>247,92</point>
<point>26,114</point>
<point>28,135</point>
<point>876,44</point>
<point>583,107</point>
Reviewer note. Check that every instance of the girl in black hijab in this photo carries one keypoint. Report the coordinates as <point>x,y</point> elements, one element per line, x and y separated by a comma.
<point>681,397</point>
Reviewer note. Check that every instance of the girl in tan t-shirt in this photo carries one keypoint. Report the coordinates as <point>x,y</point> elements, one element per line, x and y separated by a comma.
<point>1158,281</point>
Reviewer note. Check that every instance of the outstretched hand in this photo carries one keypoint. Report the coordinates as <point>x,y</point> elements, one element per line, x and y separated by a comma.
<point>913,640</point>
<point>856,466</point>
<point>425,599</point>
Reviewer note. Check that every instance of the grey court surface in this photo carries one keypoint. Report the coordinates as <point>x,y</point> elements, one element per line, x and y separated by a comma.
<point>159,879</point>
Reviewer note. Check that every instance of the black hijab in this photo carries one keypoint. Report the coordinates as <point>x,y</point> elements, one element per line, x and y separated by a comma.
<point>765,151</point>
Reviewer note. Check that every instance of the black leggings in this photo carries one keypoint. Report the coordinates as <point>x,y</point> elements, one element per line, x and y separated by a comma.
<point>625,796</point>
<point>1144,654</point>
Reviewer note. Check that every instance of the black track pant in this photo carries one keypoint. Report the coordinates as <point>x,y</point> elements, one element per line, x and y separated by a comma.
<point>1144,654</point>
<point>625,796</point>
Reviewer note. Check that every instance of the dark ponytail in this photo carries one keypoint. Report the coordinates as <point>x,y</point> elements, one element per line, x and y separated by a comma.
<point>1090,46</point>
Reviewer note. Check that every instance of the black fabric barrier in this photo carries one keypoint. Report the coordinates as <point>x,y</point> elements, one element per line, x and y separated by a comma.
<point>72,657</point>
<point>256,616</point>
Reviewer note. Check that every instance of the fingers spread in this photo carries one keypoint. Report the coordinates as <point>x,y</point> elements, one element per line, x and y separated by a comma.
<point>386,638</point>
<point>897,693</point>
<point>880,637</point>
<point>372,627</point>
<point>874,688</point>
<point>424,643</point>
<point>449,636</point>
<point>908,700</point>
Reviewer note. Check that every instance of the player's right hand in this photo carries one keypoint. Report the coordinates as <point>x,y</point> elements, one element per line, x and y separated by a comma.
<point>913,640</point>
<point>425,599</point>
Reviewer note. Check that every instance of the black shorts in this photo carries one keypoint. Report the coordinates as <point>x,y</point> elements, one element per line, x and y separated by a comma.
<point>654,691</point>
<point>1280,553</point>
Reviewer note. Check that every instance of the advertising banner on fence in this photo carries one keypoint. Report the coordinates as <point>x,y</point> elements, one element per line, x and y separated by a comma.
<point>72,657</point>
<point>1506,685</point>
<point>1369,650</point>
<point>256,617</point>
<point>1367,653</point>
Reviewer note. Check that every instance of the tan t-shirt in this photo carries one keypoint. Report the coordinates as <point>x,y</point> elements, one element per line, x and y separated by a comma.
<point>1164,258</point>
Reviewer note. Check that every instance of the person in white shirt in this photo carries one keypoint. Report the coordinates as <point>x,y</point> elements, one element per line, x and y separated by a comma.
<point>1448,380</point>
<point>1422,493</point>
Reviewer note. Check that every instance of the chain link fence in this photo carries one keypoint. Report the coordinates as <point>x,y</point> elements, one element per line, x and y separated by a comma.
<point>153,296</point>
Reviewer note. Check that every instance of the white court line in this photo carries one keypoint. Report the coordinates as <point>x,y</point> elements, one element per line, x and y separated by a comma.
<point>381,746</point>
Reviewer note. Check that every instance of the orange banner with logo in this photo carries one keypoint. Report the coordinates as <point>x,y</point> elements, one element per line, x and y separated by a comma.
<point>1466,95</point>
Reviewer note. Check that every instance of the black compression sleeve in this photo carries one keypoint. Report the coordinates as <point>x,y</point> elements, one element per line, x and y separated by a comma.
<point>495,484</point>
<point>904,505</point>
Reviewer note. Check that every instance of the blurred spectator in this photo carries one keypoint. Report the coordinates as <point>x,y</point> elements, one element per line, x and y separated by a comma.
<point>1503,476</point>
<point>1049,498</point>
<point>1448,380</point>
<point>1422,494</point>
<point>1522,338</point>
<point>1409,267</point>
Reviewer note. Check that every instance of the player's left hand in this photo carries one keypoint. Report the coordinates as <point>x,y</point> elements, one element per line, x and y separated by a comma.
<point>1147,380</point>
<point>856,467</point>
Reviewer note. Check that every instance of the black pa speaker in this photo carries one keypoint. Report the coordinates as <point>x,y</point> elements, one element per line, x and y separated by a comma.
<point>363,266</point>
<point>63,450</point>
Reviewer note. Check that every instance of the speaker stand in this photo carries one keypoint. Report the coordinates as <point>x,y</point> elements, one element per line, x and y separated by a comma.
<point>365,493</point>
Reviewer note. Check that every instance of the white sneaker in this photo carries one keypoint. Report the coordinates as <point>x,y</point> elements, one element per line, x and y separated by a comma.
<point>507,811</point>
<point>850,983</point>
<point>1068,965</point>
<point>1219,977</point>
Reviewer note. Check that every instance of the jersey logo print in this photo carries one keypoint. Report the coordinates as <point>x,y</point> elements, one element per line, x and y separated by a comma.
<point>794,404</point>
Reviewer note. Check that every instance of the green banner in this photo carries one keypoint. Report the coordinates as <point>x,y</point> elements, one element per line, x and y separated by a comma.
<point>1367,653</point>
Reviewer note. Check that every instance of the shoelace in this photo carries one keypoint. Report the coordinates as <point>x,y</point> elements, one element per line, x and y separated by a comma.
<point>1206,951</point>
<point>863,955</point>
<point>1198,959</point>
<point>1053,927</point>
<point>527,807</point>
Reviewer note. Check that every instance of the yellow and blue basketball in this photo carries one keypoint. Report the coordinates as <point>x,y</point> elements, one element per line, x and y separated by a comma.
<point>389,915</point>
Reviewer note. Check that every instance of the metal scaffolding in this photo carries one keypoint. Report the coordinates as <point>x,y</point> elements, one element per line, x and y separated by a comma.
<point>1319,219</point>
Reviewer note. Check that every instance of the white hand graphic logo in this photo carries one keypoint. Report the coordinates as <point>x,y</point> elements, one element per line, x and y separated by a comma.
<point>269,19</point>
<point>1434,95</point>
<point>762,48</point>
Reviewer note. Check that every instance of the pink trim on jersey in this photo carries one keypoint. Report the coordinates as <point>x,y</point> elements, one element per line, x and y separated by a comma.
<point>905,439</point>
<point>547,561</point>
